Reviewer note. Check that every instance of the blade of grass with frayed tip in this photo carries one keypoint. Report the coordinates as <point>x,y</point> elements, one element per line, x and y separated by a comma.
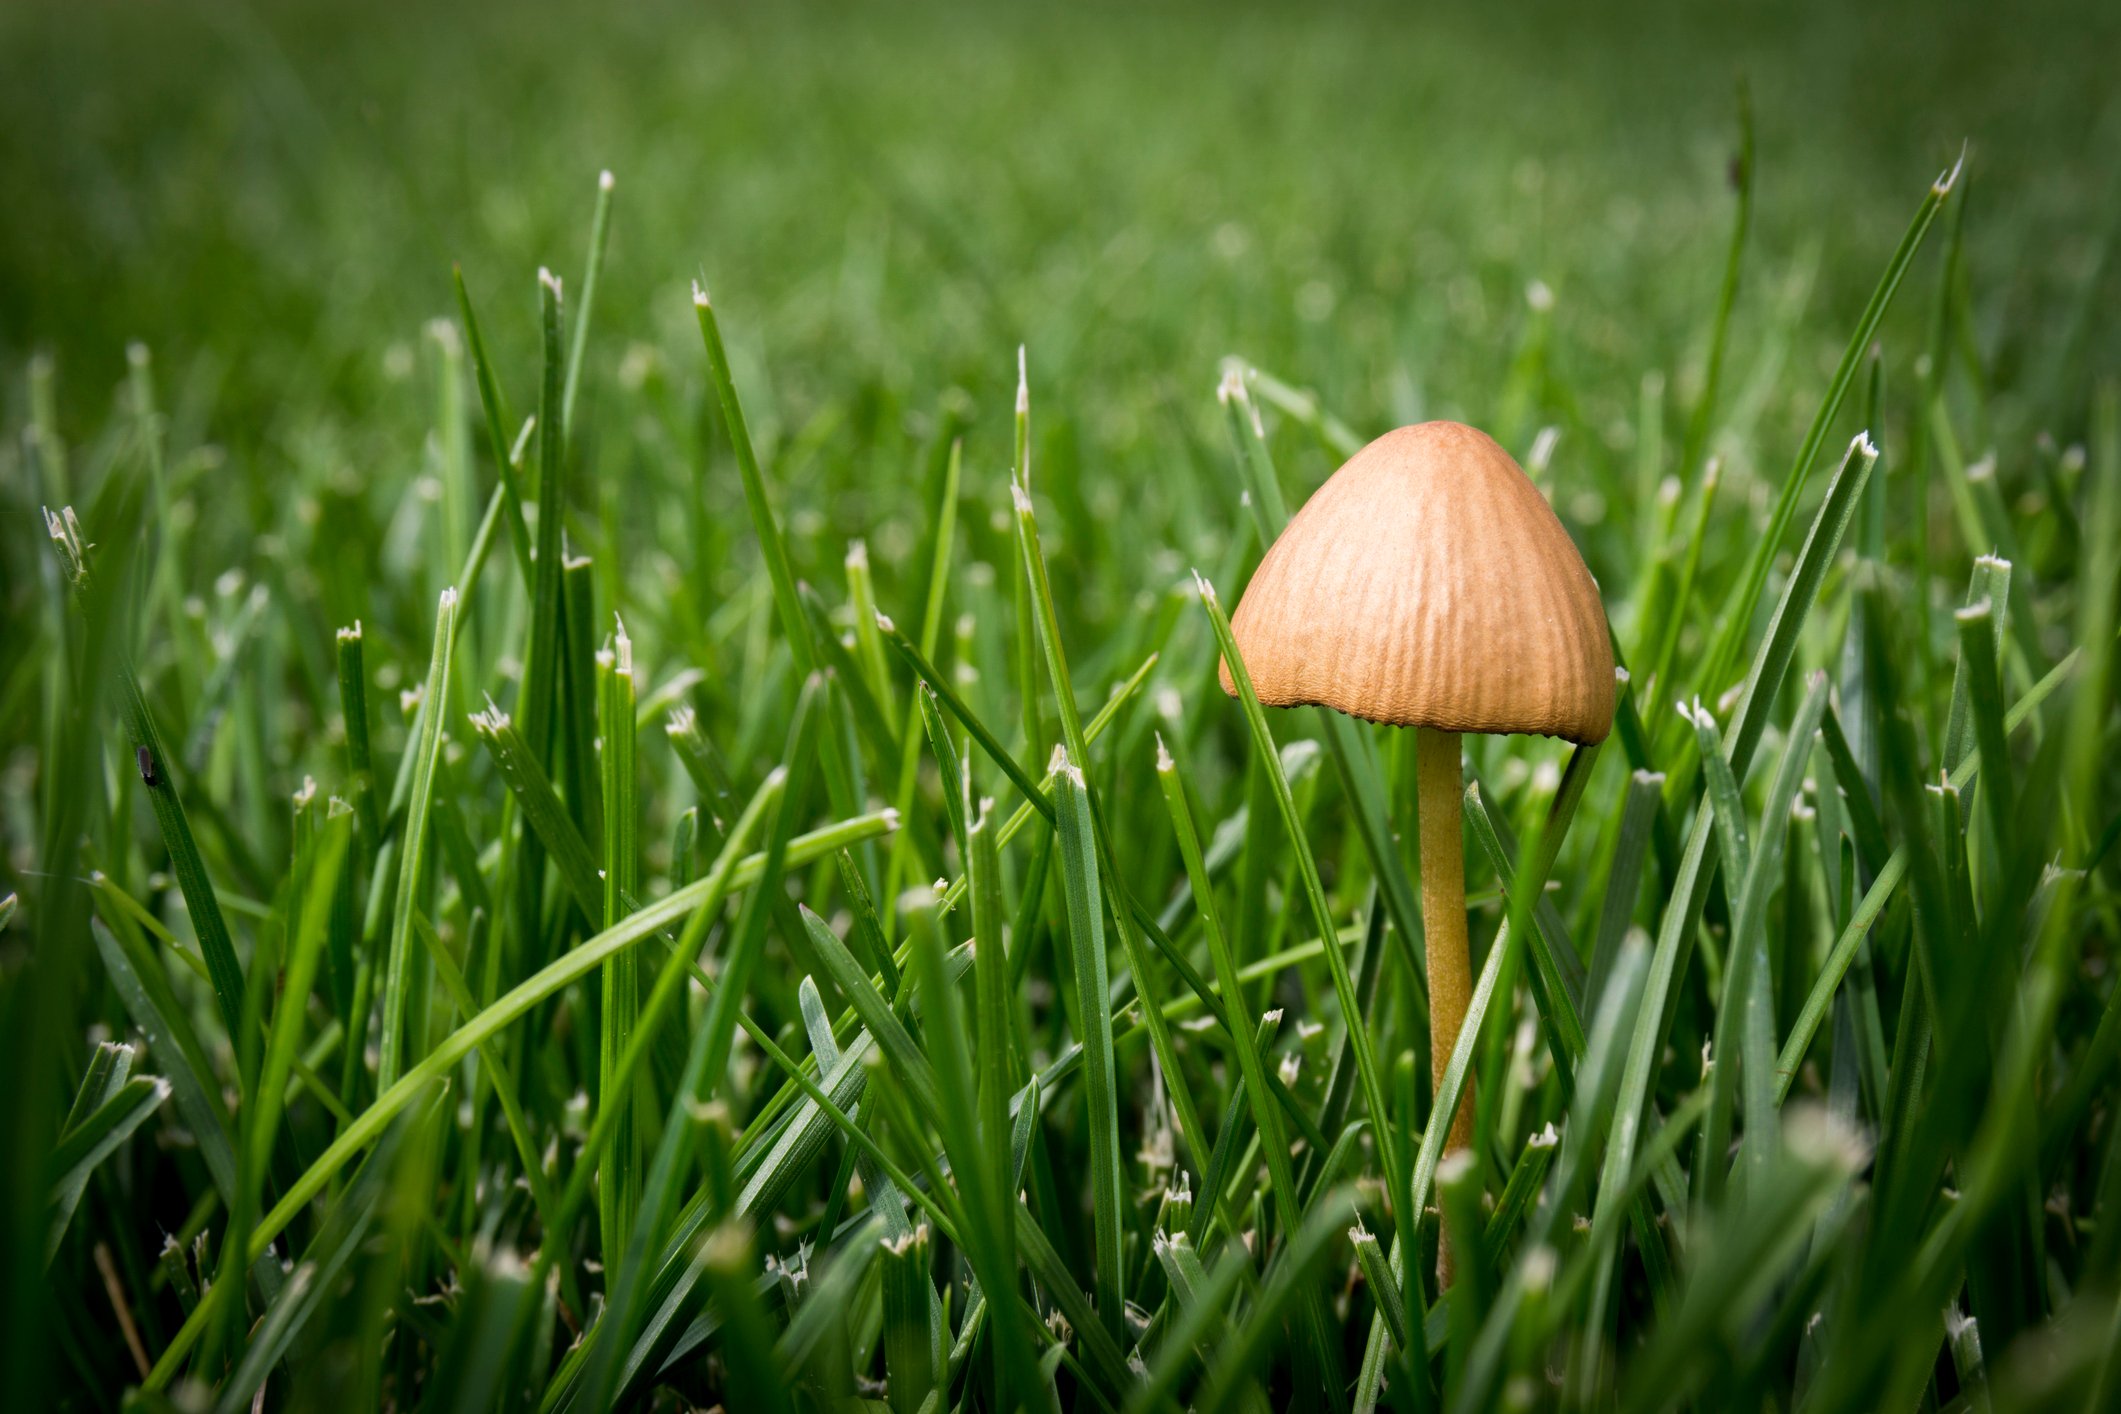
<point>1523,1185</point>
<point>360,769</point>
<point>599,230</point>
<point>125,1106</point>
<point>1990,584</point>
<point>849,677</point>
<point>1763,682</point>
<point>861,599</point>
<point>1305,407</point>
<point>412,856</point>
<point>1231,1141</point>
<point>143,987</point>
<point>910,1354</point>
<point>542,808</point>
<point>1723,655</point>
<point>618,1187</point>
<point>1980,641</point>
<point>1384,1287</point>
<point>1206,1307</point>
<point>1024,641</point>
<point>1248,440</point>
<point>1734,834</point>
<point>710,775</point>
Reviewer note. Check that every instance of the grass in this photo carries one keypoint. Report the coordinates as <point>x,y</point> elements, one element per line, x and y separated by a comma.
<point>740,885</point>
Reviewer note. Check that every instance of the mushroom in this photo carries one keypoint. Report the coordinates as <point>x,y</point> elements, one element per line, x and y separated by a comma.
<point>1428,584</point>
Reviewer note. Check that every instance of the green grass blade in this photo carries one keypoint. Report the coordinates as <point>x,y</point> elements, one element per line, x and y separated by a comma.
<point>412,856</point>
<point>491,403</point>
<point>1623,881</point>
<point>143,987</point>
<point>764,524</point>
<point>599,231</point>
<point>310,917</point>
<point>185,862</point>
<point>92,1139</point>
<point>1551,988</point>
<point>1746,999</point>
<point>618,1188</point>
<point>542,808</point>
<point>1980,639</point>
<point>1086,932</point>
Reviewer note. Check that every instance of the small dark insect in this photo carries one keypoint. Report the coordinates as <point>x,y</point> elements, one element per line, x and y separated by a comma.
<point>146,759</point>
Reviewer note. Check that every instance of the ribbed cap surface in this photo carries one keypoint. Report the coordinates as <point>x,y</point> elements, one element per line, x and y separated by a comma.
<point>1428,583</point>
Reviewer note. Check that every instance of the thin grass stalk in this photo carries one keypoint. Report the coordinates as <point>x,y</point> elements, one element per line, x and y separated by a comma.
<point>618,1189</point>
<point>599,232</point>
<point>396,1046</point>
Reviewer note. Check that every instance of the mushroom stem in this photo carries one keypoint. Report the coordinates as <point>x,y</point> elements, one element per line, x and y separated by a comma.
<point>1443,918</point>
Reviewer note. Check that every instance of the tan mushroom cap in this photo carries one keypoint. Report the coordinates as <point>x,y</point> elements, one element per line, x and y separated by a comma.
<point>1428,583</point>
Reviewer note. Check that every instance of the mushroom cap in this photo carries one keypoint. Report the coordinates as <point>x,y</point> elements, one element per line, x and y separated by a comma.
<point>1428,583</point>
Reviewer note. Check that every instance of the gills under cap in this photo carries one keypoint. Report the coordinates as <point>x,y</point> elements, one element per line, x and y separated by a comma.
<point>1428,583</point>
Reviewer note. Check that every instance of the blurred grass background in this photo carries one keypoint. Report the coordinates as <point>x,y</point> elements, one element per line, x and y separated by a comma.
<point>888,198</point>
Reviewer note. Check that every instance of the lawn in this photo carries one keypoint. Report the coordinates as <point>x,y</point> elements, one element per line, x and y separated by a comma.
<point>614,784</point>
